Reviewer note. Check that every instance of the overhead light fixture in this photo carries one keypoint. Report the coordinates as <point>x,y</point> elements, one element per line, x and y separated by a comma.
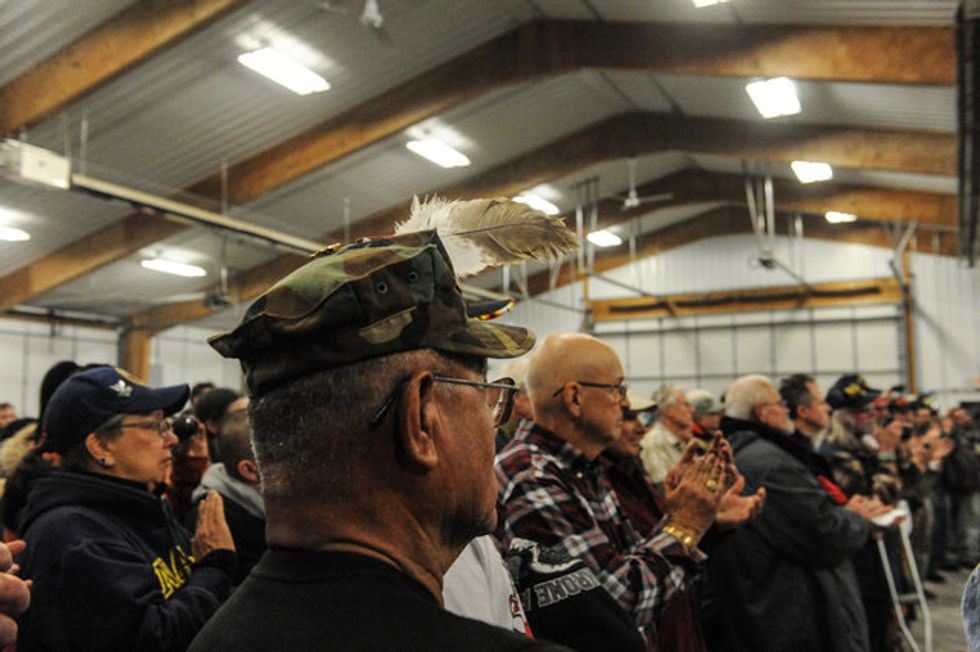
<point>438,152</point>
<point>604,238</point>
<point>774,97</point>
<point>708,3</point>
<point>278,67</point>
<point>11,234</point>
<point>173,267</point>
<point>538,202</point>
<point>836,217</point>
<point>811,171</point>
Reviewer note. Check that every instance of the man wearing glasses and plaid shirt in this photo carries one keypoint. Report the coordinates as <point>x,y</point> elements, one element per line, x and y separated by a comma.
<point>554,491</point>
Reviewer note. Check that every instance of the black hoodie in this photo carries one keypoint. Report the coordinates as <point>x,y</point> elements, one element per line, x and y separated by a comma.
<point>112,569</point>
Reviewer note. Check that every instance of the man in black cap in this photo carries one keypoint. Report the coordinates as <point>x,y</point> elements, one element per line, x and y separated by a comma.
<point>373,428</point>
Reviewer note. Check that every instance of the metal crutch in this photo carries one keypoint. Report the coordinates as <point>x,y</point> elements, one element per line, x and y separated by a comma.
<point>904,529</point>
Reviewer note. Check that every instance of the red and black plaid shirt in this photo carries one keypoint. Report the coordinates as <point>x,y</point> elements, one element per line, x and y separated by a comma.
<point>552,494</point>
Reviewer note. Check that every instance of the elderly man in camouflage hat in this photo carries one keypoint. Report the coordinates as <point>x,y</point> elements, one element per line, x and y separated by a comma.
<point>373,429</point>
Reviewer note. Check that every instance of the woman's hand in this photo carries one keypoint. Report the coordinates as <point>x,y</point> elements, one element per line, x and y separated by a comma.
<point>212,531</point>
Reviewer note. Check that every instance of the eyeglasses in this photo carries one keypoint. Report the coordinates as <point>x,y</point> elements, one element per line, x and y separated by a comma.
<point>621,388</point>
<point>782,404</point>
<point>162,427</point>
<point>499,397</point>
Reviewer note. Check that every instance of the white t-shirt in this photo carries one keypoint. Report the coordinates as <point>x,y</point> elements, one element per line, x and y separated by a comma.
<point>479,586</point>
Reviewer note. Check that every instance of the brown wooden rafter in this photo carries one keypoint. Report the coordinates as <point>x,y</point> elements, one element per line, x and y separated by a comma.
<point>638,133</point>
<point>125,40</point>
<point>917,55</point>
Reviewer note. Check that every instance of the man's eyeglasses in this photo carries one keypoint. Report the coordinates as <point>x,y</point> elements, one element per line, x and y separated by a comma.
<point>782,404</point>
<point>499,397</point>
<point>621,388</point>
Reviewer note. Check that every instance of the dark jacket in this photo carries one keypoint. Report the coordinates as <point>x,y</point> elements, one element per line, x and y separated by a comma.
<point>244,512</point>
<point>679,627</point>
<point>785,579</point>
<point>112,569</point>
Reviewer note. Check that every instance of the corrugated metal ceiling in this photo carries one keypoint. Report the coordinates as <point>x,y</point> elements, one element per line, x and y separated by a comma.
<point>174,119</point>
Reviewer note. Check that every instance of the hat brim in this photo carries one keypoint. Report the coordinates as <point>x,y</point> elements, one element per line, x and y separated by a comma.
<point>640,404</point>
<point>485,339</point>
<point>169,399</point>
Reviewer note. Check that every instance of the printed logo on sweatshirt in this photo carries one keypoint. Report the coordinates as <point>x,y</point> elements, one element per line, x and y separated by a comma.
<point>562,588</point>
<point>174,574</point>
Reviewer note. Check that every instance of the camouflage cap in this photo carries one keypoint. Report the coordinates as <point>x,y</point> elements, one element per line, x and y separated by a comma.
<point>365,300</point>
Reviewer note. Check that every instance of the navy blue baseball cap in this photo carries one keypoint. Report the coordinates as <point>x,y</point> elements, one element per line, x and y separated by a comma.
<point>90,398</point>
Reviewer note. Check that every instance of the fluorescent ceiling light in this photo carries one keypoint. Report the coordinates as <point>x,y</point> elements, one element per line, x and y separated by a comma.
<point>11,234</point>
<point>810,171</point>
<point>604,238</point>
<point>836,217</point>
<point>173,267</point>
<point>438,152</point>
<point>708,3</point>
<point>538,202</point>
<point>774,97</point>
<point>275,65</point>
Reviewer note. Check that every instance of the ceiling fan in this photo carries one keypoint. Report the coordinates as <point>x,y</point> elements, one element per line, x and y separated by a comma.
<point>633,200</point>
<point>370,15</point>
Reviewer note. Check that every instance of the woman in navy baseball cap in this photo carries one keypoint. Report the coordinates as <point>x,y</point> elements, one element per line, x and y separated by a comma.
<point>112,569</point>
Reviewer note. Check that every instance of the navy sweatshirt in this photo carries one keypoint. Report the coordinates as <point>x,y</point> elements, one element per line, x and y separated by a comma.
<point>112,569</point>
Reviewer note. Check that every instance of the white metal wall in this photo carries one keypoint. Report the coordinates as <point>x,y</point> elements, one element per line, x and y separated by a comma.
<point>182,355</point>
<point>710,351</point>
<point>947,323</point>
<point>28,349</point>
<point>707,351</point>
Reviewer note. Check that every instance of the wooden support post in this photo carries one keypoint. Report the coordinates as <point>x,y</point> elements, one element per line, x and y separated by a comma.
<point>908,319</point>
<point>135,347</point>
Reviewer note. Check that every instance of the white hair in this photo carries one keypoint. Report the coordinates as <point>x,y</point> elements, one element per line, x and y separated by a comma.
<point>744,394</point>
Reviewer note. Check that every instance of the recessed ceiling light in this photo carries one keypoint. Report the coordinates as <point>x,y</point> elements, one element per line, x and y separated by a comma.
<point>173,267</point>
<point>811,171</point>
<point>774,97</point>
<point>278,67</point>
<point>708,3</point>
<point>836,217</point>
<point>11,234</point>
<point>438,152</point>
<point>604,238</point>
<point>538,202</point>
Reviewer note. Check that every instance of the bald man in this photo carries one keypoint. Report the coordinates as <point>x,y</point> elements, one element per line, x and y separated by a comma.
<point>556,493</point>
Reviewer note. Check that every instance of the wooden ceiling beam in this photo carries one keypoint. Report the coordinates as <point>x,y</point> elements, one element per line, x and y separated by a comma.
<point>531,51</point>
<point>617,137</point>
<point>125,40</point>
<point>80,257</point>
<point>905,55</point>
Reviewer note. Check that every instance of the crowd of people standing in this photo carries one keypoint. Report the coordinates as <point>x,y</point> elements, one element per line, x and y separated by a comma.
<point>371,490</point>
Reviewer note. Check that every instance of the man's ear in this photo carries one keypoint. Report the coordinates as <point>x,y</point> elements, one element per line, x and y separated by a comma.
<point>570,398</point>
<point>248,470</point>
<point>418,418</point>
